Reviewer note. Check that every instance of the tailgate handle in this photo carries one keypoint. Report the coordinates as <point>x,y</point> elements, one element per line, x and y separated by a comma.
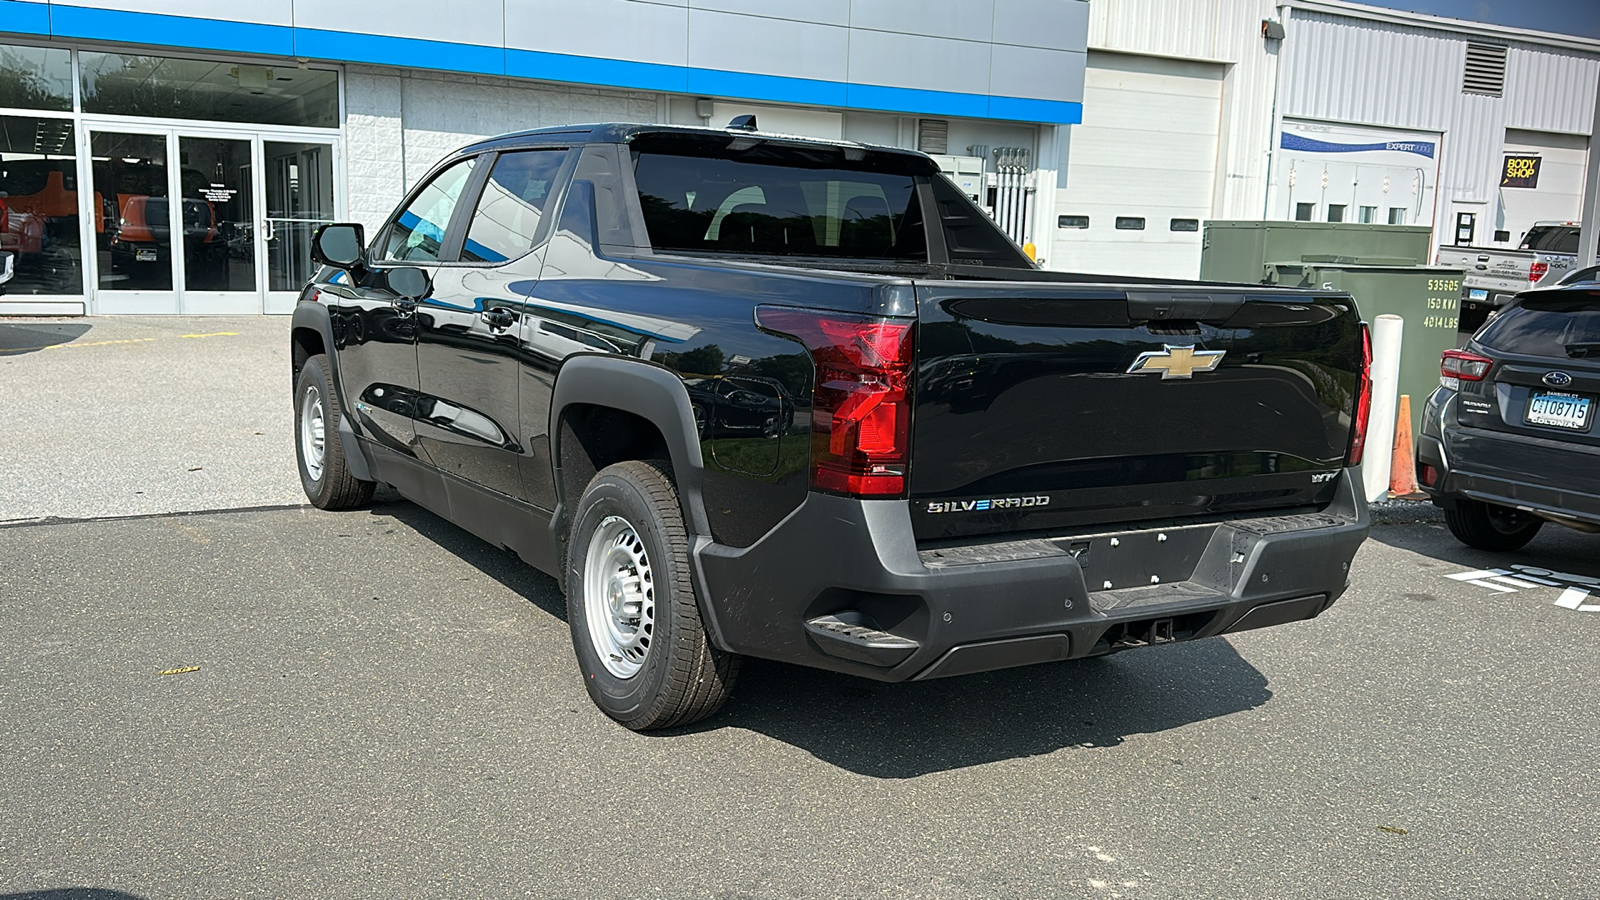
<point>1162,307</point>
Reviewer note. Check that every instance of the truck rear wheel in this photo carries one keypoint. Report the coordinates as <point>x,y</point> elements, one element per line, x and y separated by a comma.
<point>1489,527</point>
<point>642,648</point>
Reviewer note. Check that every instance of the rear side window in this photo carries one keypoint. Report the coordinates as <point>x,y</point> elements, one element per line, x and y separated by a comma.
<point>417,233</point>
<point>507,218</point>
<point>1564,326</point>
<point>771,200</point>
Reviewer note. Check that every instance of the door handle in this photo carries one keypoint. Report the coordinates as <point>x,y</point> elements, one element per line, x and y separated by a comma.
<point>499,318</point>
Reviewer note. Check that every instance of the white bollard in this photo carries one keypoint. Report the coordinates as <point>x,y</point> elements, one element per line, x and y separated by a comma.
<point>1387,332</point>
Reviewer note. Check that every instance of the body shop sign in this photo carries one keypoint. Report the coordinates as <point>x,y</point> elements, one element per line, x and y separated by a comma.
<point>1520,172</point>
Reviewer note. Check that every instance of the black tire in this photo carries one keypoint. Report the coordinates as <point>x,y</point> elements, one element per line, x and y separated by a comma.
<point>333,487</point>
<point>1489,527</point>
<point>678,677</point>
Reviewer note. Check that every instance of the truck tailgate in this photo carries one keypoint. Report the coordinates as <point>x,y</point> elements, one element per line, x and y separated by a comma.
<point>1056,407</point>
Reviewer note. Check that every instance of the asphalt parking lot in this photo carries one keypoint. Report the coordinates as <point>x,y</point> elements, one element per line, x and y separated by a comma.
<point>376,704</point>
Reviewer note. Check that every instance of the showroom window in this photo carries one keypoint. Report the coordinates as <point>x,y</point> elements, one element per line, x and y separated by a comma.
<point>39,205</point>
<point>123,84</point>
<point>36,78</point>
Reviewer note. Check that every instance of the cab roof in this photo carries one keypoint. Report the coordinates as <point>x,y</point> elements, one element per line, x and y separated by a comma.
<point>625,132</point>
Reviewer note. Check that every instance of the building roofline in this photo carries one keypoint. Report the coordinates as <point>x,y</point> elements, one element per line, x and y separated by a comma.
<point>1495,33</point>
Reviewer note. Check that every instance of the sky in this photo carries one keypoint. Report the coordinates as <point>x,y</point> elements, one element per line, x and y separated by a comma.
<point>1579,17</point>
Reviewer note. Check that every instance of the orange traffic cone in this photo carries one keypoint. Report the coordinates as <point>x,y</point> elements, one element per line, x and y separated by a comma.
<point>1403,466</point>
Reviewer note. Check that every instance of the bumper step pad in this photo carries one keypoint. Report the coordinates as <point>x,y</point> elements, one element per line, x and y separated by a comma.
<point>851,635</point>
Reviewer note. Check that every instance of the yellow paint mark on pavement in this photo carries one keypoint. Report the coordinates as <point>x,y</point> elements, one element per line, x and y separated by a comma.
<point>181,670</point>
<point>214,334</point>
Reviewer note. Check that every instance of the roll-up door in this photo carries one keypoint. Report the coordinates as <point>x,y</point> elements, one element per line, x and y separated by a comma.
<point>1141,169</point>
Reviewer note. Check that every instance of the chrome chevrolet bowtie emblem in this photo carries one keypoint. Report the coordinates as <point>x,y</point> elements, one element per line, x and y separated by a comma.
<point>1177,362</point>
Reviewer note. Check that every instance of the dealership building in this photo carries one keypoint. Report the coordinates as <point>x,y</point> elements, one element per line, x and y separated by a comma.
<point>1104,133</point>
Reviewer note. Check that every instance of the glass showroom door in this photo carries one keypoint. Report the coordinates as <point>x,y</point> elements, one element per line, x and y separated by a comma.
<point>133,259</point>
<point>299,198</point>
<point>217,259</point>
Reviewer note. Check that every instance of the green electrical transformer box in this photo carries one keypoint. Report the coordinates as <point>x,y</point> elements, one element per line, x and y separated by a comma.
<point>1426,297</point>
<point>1240,252</point>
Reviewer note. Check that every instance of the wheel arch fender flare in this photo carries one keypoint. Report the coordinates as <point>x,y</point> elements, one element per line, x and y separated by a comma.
<point>651,392</point>
<point>314,317</point>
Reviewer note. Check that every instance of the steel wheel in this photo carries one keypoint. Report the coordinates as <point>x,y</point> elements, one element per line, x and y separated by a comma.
<point>619,597</point>
<point>313,432</point>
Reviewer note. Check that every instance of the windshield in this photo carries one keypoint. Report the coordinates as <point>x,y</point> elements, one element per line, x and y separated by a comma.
<point>1566,325</point>
<point>770,199</point>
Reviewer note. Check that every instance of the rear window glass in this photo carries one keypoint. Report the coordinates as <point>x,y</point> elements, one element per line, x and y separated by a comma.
<point>1557,239</point>
<point>1566,325</point>
<point>772,200</point>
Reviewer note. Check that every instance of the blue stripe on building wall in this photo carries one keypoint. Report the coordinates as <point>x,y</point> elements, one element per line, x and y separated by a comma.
<point>85,23</point>
<point>24,18</point>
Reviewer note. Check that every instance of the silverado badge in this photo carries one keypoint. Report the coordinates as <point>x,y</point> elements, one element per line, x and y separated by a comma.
<point>1177,362</point>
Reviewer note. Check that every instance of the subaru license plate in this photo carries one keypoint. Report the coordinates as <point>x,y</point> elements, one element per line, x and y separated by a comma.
<point>1558,410</point>
<point>1478,294</point>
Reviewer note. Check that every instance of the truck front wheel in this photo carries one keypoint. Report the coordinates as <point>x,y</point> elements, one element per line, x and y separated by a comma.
<point>643,651</point>
<point>323,474</point>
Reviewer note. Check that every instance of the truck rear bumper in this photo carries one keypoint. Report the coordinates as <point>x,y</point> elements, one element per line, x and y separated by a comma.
<point>841,584</point>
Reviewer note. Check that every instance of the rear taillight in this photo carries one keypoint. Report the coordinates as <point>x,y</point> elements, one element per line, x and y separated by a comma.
<point>861,408</point>
<point>1358,434</point>
<point>1459,365</point>
<point>1537,271</point>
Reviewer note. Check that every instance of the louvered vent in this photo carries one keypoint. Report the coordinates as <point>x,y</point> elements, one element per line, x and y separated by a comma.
<point>1486,70</point>
<point>933,135</point>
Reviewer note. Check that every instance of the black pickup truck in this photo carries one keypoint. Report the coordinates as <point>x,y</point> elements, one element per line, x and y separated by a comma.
<point>749,394</point>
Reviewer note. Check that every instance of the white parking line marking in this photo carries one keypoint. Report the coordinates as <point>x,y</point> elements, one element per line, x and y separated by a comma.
<point>1518,583</point>
<point>1572,598</point>
<point>1575,589</point>
<point>1473,576</point>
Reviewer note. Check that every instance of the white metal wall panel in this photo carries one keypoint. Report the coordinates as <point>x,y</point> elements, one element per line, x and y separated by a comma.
<point>480,22</point>
<point>646,32</point>
<point>1550,90</point>
<point>1147,148</point>
<point>1370,73</point>
<point>259,12</point>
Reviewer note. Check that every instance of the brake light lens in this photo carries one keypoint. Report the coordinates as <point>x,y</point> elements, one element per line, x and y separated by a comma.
<point>861,405</point>
<point>1537,271</point>
<point>1358,434</point>
<point>1459,365</point>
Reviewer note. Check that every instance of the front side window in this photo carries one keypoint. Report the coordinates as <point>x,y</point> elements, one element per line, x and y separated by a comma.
<point>417,233</point>
<point>507,218</point>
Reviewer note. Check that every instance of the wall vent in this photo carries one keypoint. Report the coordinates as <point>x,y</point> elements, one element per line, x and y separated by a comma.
<point>1486,70</point>
<point>933,135</point>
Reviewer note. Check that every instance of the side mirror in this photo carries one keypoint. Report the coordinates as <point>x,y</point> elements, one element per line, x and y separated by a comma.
<point>340,245</point>
<point>408,282</point>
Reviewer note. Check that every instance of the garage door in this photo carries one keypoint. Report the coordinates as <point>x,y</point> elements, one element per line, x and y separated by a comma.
<point>1141,168</point>
<point>1557,188</point>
